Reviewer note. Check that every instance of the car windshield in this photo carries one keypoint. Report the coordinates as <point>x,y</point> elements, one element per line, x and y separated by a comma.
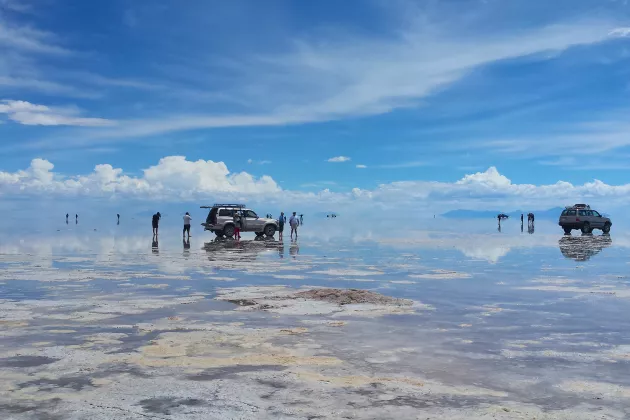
<point>596,214</point>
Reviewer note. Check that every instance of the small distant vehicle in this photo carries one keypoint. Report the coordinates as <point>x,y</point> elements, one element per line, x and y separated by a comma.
<point>220,221</point>
<point>582,217</point>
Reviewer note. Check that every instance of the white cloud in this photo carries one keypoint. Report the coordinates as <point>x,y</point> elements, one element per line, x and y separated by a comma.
<point>620,32</point>
<point>341,75</point>
<point>361,166</point>
<point>258,162</point>
<point>339,159</point>
<point>25,38</point>
<point>27,113</point>
<point>176,178</point>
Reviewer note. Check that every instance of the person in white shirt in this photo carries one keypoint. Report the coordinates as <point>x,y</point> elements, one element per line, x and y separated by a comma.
<point>187,220</point>
<point>294,221</point>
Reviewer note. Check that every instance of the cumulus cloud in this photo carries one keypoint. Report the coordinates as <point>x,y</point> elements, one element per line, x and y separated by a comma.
<point>173,177</point>
<point>26,113</point>
<point>339,159</point>
<point>176,178</point>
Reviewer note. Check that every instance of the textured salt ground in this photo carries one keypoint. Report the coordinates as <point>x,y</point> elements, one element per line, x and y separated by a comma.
<point>317,301</point>
<point>292,390</point>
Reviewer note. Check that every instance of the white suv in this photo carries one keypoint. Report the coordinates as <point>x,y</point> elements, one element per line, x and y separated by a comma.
<point>220,220</point>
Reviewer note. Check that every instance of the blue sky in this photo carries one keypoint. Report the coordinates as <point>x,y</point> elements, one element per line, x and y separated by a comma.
<point>410,97</point>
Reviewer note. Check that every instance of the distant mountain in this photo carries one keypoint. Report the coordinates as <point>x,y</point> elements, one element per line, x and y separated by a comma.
<point>553,213</point>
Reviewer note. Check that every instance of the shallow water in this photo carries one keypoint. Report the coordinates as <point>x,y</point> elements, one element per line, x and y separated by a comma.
<point>104,324</point>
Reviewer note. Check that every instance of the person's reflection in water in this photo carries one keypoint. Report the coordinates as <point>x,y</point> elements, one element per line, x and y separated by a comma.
<point>499,228</point>
<point>154,246</point>
<point>281,250</point>
<point>530,228</point>
<point>295,249</point>
<point>186,244</point>
<point>521,227</point>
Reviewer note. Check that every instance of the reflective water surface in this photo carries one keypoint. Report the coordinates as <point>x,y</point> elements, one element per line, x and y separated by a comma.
<point>109,324</point>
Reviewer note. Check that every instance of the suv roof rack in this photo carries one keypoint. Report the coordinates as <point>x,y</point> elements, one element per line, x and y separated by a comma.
<point>235,206</point>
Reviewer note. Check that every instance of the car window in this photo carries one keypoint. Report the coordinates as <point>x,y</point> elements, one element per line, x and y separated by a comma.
<point>596,214</point>
<point>249,213</point>
<point>226,212</point>
<point>571,213</point>
<point>582,212</point>
<point>564,213</point>
<point>589,212</point>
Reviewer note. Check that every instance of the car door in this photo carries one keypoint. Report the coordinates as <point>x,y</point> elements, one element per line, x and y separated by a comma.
<point>597,219</point>
<point>252,222</point>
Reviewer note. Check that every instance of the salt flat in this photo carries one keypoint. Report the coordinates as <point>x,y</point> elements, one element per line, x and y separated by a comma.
<point>456,325</point>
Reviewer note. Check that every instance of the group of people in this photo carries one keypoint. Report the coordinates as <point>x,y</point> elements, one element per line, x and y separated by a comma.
<point>76,218</point>
<point>294,222</point>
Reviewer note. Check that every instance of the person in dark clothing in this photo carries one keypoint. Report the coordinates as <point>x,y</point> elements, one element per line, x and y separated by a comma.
<point>521,218</point>
<point>155,222</point>
<point>281,221</point>
<point>67,215</point>
<point>118,215</point>
<point>76,219</point>
<point>301,219</point>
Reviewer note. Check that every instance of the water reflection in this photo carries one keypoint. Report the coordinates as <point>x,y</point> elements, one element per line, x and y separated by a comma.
<point>582,248</point>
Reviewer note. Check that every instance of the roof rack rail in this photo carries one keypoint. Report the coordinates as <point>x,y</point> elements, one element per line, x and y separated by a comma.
<point>235,206</point>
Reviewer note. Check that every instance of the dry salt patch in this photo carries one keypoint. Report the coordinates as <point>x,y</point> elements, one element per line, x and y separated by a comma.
<point>348,273</point>
<point>441,275</point>
<point>317,301</point>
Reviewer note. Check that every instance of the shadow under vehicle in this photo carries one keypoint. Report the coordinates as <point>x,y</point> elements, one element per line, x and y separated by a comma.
<point>582,248</point>
<point>246,250</point>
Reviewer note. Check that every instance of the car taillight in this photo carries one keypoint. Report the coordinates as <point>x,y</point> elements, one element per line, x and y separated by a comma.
<point>577,219</point>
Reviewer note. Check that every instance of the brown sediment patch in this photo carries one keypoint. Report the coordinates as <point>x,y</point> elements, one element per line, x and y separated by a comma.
<point>350,296</point>
<point>317,301</point>
<point>294,331</point>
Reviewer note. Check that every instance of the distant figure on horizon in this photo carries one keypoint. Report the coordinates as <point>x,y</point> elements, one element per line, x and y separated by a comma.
<point>67,215</point>
<point>118,215</point>
<point>294,222</point>
<point>187,220</point>
<point>521,219</point>
<point>76,219</point>
<point>301,219</point>
<point>155,222</point>
<point>281,221</point>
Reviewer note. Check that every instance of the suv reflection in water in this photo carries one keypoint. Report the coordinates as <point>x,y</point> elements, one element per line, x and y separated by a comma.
<point>582,248</point>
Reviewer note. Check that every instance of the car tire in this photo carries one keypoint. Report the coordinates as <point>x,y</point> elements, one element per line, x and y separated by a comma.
<point>219,233</point>
<point>259,234</point>
<point>567,231</point>
<point>270,230</point>
<point>586,227</point>
<point>606,228</point>
<point>228,231</point>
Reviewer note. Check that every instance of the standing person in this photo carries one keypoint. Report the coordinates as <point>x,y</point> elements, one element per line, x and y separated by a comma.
<point>281,221</point>
<point>521,218</point>
<point>237,224</point>
<point>187,220</point>
<point>76,219</point>
<point>301,219</point>
<point>67,215</point>
<point>294,222</point>
<point>155,222</point>
<point>118,215</point>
